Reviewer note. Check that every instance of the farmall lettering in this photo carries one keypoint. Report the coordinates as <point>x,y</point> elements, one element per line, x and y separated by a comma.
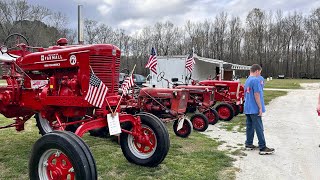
<point>51,57</point>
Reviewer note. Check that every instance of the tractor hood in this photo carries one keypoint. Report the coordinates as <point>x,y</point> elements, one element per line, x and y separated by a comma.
<point>196,88</point>
<point>161,92</point>
<point>64,56</point>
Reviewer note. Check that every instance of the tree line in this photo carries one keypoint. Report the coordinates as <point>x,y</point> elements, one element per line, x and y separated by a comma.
<point>282,43</point>
<point>40,25</point>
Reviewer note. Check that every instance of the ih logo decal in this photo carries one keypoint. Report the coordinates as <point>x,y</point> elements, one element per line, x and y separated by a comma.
<point>73,59</point>
<point>248,90</point>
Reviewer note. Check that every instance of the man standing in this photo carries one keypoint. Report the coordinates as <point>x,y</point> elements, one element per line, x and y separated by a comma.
<point>253,108</point>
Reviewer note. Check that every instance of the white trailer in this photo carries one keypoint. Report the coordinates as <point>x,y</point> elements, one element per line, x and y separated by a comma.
<point>174,67</point>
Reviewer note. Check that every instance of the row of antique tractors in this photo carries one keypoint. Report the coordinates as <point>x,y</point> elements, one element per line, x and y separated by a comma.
<point>52,83</point>
<point>210,99</point>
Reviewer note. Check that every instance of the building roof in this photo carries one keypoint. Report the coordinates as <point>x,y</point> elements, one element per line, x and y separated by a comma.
<point>209,60</point>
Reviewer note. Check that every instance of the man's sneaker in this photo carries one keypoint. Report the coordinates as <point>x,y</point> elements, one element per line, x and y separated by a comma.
<point>266,150</point>
<point>251,147</point>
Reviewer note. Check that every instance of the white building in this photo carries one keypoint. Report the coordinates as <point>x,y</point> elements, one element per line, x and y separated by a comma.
<point>174,67</point>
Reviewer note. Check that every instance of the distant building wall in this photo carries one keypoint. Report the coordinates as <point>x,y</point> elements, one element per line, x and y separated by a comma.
<point>174,67</point>
<point>202,70</point>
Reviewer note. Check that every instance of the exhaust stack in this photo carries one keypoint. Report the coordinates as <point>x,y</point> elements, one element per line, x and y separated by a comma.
<point>80,25</point>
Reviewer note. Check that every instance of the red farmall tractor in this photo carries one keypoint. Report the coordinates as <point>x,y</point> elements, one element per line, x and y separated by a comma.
<point>201,99</point>
<point>169,105</point>
<point>231,96</point>
<point>52,83</point>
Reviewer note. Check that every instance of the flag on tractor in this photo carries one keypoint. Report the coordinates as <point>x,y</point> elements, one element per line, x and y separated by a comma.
<point>152,61</point>
<point>97,91</point>
<point>127,84</point>
<point>190,62</point>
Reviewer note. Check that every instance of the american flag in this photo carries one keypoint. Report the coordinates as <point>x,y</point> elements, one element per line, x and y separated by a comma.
<point>152,61</point>
<point>127,84</point>
<point>190,62</point>
<point>97,91</point>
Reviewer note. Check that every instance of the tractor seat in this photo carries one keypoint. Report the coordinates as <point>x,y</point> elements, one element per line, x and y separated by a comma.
<point>7,58</point>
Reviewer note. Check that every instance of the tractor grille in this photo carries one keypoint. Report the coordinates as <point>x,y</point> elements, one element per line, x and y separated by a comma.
<point>5,68</point>
<point>107,69</point>
<point>183,102</point>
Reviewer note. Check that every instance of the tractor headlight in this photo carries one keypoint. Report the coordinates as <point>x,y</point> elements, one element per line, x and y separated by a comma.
<point>175,93</point>
<point>4,49</point>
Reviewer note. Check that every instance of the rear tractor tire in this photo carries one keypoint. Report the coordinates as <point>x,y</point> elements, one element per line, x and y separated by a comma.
<point>236,109</point>
<point>61,155</point>
<point>45,126</point>
<point>225,111</point>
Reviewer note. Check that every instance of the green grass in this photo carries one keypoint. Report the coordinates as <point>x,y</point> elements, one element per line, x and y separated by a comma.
<point>195,157</point>
<point>239,121</point>
<point>286,83</point>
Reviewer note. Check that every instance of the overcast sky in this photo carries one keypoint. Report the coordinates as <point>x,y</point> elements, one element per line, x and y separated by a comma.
<point>132,15</point>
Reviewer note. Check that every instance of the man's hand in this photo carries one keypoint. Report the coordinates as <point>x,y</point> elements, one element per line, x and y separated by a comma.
<point>260,112</point>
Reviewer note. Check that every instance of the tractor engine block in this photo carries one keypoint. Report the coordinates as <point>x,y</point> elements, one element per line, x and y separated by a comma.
<point>152,106</point>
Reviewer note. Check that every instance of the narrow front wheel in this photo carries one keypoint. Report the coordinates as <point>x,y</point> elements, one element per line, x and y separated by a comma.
<point>151,146</point>
<point>199,122</point>
<point>186,129</point>
<point>212,115</point>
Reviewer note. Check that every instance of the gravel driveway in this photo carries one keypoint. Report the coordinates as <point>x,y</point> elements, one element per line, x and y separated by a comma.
<point>292,127</point>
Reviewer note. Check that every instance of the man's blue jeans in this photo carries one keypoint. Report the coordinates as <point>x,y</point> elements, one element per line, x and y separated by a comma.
<point>254,123</point>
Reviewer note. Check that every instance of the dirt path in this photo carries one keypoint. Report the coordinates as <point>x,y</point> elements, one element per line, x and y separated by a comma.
<point>292,127</point>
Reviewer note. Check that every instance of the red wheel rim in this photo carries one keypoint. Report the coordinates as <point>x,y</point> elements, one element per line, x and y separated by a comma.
<point>184,129</point>
<point>211,117</point>
<point>198,123</point>
<point>224,112</point>
<point>147,142</point>
<point>58,166</point>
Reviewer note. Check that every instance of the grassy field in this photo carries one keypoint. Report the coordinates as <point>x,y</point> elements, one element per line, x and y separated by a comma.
<point>195,157</point>
<point>286,83</point>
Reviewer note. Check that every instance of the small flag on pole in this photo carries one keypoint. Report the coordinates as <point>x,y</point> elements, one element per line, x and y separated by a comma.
<point>127,84</point>
<point>97,91</point>
<point>190,62</point>
<point>152,61</point>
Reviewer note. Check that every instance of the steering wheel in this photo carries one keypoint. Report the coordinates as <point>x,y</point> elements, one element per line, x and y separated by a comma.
<point>194,82</point>
<point>160,76</point>
<point>188,78</point>
<point>13,41</point>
